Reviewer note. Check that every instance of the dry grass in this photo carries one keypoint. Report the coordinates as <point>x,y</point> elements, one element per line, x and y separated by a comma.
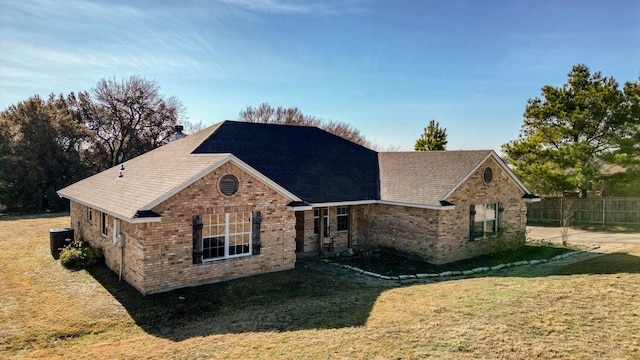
<point>584,310</point>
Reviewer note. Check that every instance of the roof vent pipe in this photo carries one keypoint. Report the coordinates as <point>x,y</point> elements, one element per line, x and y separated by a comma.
<point>178,133</point>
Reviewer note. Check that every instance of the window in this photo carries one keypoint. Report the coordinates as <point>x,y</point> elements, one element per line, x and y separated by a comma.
<point>226,235</point>
<point>487,175</point>
<point>89,214</point>
<point>104,229</point>
<point>484,221</point>
<point>343,218</point>
<point>316,221</point>
<point>228,185</point>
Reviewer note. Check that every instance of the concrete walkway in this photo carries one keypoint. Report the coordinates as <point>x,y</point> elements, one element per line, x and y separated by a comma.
<point>609,242</point>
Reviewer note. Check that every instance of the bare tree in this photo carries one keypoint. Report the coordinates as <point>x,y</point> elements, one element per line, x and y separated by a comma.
<point>192,127</point>
<point>568,213</point>
<point>129,117</point>
<point>388,148</point>
<point>267,114</point>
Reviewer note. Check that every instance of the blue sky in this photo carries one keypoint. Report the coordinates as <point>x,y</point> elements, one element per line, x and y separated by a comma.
<point>385,67</point>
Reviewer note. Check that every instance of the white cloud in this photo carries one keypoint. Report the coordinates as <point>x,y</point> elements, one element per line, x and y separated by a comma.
<point>294,6</point>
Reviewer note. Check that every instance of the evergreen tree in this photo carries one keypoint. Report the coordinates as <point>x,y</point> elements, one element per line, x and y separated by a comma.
<point>433,138</point>
<point>569,133</point>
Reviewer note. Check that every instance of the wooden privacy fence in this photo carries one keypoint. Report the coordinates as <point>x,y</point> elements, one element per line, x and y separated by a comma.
<point>594,211</point>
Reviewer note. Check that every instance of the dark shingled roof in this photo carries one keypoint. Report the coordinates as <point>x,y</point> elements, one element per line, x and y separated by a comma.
<point>313,164</point>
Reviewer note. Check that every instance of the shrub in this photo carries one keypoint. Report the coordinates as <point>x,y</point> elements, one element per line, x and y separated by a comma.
<point>80,254</point>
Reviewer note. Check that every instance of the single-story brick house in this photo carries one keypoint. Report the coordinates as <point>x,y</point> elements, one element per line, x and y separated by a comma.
<point>238,199</point>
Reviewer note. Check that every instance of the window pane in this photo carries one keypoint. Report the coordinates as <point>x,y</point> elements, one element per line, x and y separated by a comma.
<point>316,225</point>
<point>490,228</point>
<point>212,247</point>
<point>485,220</point>
<point>238,244</point>
<point>236,227</point>
<point>479,212</point>
<point>343,223</point>
<point>478,229</point>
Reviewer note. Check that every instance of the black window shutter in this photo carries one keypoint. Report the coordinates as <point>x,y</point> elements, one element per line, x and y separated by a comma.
<point>499,212</point>
<point>472,213</point>
<point>255,231</point>
<point>197,239</point>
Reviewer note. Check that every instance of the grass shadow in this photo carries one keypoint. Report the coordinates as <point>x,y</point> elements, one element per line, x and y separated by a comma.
<point>591,263</point>
<point>304,298</point>
<point>610,264</point>
<point>299,299</point>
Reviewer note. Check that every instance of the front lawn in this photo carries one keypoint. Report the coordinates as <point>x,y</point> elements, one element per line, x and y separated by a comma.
<point>585,310</point>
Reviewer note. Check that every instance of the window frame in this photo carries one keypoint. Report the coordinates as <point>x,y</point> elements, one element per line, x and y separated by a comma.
<point>316,221</point>
<point>227,236</point>
<point>474,220</point>
<point>342,219</point>
<point>89,214</point>
<point>104,224</point>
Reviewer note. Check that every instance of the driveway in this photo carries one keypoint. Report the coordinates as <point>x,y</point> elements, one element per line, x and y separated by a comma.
<point>554,234</point>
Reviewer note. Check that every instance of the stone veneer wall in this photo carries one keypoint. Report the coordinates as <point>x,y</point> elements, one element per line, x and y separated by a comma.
<point>158,256</point>
<point>441,236</point>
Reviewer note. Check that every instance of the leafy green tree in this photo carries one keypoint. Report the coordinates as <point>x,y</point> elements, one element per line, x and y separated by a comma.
<point>567,134</point>
<point>267,114</point>
<point>128,117</point>
<point>41,151</point>
<point>433,138</point>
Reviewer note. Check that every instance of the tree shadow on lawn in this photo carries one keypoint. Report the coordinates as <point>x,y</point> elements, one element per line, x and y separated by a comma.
<point>604,264</point>
<point>594,264</point>
<point>298,299</point>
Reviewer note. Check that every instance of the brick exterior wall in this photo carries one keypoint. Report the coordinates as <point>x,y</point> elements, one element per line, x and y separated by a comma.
<point>341,238</point>
<point>158,256</point>
<point>513,219</point>
<point>441,236</point>
<point>406,229</point>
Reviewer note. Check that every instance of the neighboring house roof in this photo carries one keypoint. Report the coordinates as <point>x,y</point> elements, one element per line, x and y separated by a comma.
<point>317,166</point>
<point>307,165</point>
